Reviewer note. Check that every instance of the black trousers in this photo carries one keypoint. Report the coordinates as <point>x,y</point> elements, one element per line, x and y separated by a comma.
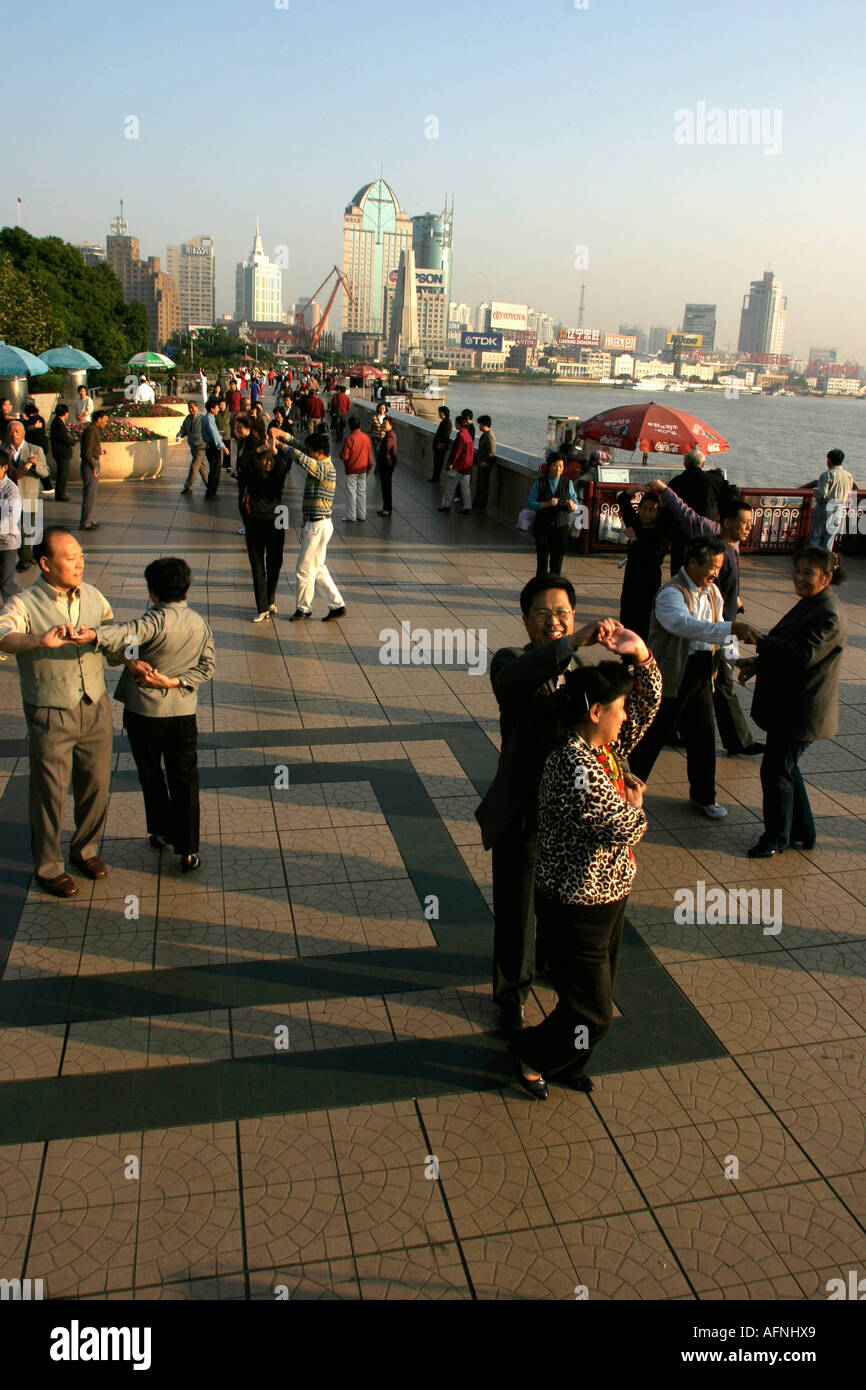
<point>385,473</point>
<point>514,910</point>
<point>265,543</point>
<point>733,728</point>
<point>171,810</point>
<point>439,456</point>
<point>61,482</point>
<point>787,813</point>
<point>691,711</point>
<point>215,457</point>
<point>549,548</point>
<point>89,486</point>
<point>482,484</point>
<point>582,947</point>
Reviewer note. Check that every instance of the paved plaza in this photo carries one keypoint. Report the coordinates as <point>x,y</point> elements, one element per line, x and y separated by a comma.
<point>280,1076</point>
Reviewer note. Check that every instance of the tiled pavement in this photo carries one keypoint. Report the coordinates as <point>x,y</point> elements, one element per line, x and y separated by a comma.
<point>279,1077</point>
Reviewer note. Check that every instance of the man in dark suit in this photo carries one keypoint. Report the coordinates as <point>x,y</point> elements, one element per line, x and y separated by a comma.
<point>62,444</point>
<point>91,453</point>
<point>523,680</point>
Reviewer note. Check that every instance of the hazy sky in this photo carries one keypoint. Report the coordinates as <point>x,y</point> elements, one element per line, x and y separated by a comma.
<point>556,131</point>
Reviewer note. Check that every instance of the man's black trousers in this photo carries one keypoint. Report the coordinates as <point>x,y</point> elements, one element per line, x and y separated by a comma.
<point>171,810</point>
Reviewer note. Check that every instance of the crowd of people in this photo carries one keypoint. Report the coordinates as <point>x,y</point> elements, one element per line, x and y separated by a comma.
<point>580,739</point>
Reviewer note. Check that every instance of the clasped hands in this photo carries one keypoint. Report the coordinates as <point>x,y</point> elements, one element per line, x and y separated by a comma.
<point>142,672</point>
<point>610,633</point>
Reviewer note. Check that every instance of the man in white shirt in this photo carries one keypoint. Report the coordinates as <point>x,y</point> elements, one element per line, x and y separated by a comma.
<point>83,407</point>
<point>685,634</point>
<point>144,393</point>
<point>833,487</point>
<point>203,379</point>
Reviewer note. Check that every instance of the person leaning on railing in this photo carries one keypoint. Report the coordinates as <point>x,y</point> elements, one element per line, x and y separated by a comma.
<point>797,697</point>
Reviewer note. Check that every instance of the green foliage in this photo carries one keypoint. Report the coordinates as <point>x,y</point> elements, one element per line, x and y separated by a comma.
<point>26,318</point>
<point>80,304</point>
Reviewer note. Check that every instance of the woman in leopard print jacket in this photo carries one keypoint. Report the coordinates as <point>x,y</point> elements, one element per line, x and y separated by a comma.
<point>590,813</point>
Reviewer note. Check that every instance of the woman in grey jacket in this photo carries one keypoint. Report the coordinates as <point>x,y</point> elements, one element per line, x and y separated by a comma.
<point>168,653</point>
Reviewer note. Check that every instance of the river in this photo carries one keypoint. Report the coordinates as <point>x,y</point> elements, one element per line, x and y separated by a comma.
<point>776,441</point>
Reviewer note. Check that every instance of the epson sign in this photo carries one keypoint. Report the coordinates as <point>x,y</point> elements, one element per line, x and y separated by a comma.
<point>481,342</point>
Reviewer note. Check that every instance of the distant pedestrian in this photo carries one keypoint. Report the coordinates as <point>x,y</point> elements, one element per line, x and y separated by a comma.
<point>34,427</point>
<point>10,529</point>
<point>357,456</point>
<point>315,412</point>
<point>62,445</point>
<point>92,450</point>
<point>224,426</point>
<point>261,478</point>
<point>340,406</point>
<point>832,488</point>
<point>202,381</point>
<point>386,462</point>
<point>459,470</point>
<point>553,500</point>
<point>7,415</point>
<point>27,467</point>
<point>191,431</point>
<point>441,442</point>
<point>651,529</point>
<point>485,461</point>
<point>83,407</point>
<point>215,449</point>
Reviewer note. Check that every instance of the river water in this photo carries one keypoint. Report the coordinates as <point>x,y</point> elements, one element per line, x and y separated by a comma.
<point>775,441</point>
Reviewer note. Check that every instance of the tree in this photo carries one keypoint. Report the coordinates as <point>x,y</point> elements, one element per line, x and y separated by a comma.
<point>26,317</point>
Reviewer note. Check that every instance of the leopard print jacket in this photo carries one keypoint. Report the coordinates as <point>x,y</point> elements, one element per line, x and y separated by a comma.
<point>585,827</point>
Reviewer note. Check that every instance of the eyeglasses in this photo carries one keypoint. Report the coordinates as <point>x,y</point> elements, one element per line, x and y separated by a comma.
<point>563,614</point>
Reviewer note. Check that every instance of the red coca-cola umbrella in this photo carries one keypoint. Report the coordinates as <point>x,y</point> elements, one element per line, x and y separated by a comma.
<point>654,429</point>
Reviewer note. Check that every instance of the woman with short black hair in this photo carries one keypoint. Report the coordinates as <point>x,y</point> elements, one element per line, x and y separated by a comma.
<point>796,697</point>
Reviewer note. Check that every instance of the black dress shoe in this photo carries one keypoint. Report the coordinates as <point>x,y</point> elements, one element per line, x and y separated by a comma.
<point>512,1016</point>
<point>581,1083</point>
<point>189,863</point>
<point>802,844</point>
<point>157,841</point>
<point>763,851</point>
<point>298,614</point>
<point>537,1089</point>
<point>333,613</point>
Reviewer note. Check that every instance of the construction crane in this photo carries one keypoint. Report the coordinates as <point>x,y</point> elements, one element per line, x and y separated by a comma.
<point>311,337</point>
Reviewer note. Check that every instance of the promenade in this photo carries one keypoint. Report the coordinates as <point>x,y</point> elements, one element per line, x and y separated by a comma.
<point>278,1077</point>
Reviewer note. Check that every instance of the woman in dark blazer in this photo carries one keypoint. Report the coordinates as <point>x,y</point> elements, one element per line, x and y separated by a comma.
<point>261,479</point>
<point>441,440</point>
<point>62,444</point>
<point>797,697</point>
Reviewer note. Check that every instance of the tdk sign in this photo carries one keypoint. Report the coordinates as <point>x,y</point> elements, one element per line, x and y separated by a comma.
<point>481,342</point>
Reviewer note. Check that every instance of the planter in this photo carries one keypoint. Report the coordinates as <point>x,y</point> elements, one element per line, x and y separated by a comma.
<point>145,459</point>
<point>166,426</point>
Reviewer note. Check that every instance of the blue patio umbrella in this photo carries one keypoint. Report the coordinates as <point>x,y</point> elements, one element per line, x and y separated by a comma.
<point>69,358</point>
<point>16,361</point>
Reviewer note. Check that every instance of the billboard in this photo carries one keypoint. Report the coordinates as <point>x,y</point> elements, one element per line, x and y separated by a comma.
<point>771,359</point>
<point>424,279</point>
<point>620,342</point>
<point>526,340</point>
<point>481,342</point>
<point>508,316</point>
<point>685,340</point>
<point>580,337</point>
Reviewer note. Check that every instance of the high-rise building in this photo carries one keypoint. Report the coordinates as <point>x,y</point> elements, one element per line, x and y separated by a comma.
<point>658,336</point>
<point>375,231</point>
<point>701,318</point>
<point>143,282</point>
<point>481,317</point>
<point>258,287</point>
<point>634,330</point>
<point>191,264</point>
<point>431,242</point>
<point>762,320</point>
<point>821,355</point>
<point>541,325</point>
<point>91,252</point>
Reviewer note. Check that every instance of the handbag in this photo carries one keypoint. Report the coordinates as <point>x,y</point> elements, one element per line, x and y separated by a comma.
<point>526,519</point>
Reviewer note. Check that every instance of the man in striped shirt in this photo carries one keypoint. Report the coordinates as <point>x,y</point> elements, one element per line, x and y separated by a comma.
<point>318,528</point>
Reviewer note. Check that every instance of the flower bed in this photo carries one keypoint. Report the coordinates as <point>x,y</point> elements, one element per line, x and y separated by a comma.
<point>132,410</point>
<point>117,431</point>
<point>129,452</point>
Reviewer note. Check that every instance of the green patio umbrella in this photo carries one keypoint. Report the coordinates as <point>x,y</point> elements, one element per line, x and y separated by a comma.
<point>150,359</point>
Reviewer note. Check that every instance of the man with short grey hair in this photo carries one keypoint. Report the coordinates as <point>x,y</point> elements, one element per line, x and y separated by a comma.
<point>66,706</point>
<point>26,463</point>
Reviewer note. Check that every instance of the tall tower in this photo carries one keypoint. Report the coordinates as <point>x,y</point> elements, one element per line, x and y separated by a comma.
<point>192,266</point>
<point>375,231</point>
<point>404,315</point>
<point>762,318</point>
<point>258,286</point>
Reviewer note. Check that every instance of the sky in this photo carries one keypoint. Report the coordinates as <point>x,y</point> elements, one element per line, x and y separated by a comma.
<point>566,130</point>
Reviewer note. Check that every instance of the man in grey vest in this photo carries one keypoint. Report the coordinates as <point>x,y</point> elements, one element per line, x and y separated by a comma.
<point>190,430</point>
<point>66,706</point>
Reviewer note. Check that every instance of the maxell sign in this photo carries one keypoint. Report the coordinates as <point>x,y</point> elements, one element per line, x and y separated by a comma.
<point>481,342</point>
<point>619,342</point>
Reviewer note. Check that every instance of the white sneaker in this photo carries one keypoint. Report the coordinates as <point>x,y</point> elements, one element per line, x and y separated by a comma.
<point>714,810</point>
<point>242,530</point>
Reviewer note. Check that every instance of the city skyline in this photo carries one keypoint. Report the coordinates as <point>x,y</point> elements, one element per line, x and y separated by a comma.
<point>606,182</point>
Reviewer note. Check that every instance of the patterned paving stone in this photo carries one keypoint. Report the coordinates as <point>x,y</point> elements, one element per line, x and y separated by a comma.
<point>191,1237</point>
<point>349,1023</point>
<point>766,1154</point>
<point>178,1039</point>
<point>188,1159</point>
<point>329,1279</point>
<point>312,856</point>
<point>84,1251</point>
<point>300,808</point>
<point>623,1257</point>
<point>832,1134</point>
<point>720,1245</point>
<point>295,1223</point>
<point>369,1138</point>
<point>277,1150</point>
<point>492,1192</point>
<point>714,1090</point>
<point>851,1189</point>
<point>29,1052</point>
<point>520,1265</point>
<point>352,804</point>
<point>106,1045</point>
<point>91,1172</point>
<point>809,1227</point>
<point>20,1166</point>
<point>326,919</point>
<point>631,1102</point>
<point>370,852</point>
<point>465,1127</point>
<point>424,1272</point>
<point>225,1288</point>
<point>434,1013</point>
<point>259,926</point>
<point>14,1234</point>
<point>274,1030</point>
<point>582,1180</point>
<point>393,1209</point>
